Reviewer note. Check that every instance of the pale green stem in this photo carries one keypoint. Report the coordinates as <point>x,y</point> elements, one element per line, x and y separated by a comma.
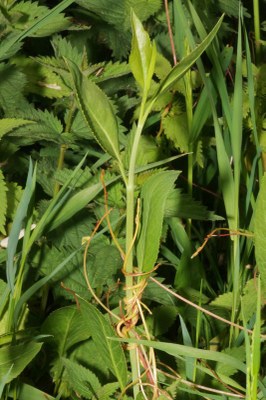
<point>130,217</point>
<point>256,11</point>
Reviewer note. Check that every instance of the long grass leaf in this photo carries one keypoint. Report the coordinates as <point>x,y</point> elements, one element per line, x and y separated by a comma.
<point>42,21</point>
<point>17,226</point>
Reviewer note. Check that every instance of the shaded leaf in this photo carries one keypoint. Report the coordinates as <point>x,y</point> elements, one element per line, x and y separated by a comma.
<point>110,351</point>
<point>81,379</point>
<point>3,203</point>
<point>17,357</point>
<point>182,205</point>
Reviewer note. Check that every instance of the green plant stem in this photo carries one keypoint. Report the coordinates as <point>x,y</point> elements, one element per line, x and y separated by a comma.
<point>130,217</point>
<point>63,148</point>
<point>256,11</point>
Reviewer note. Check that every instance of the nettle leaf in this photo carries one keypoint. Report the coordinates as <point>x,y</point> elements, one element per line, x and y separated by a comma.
<point>12,84</point>
<point>182,205</point>
<point>176,129</point>
<point>64,49</point>
<point>3,203</point>
<point>44,125</point>
<point>153,194</point>
<point>143,55</point>
<point>8,124</point>
<point>110,351</point>
<point>238,353</point>
<point>260,233</point>
<point>81,379</point>
<point>249,300</point>
<point>97,110</point>
<point>14,193</point>
<point>183,66</point>
<point>16,358</point>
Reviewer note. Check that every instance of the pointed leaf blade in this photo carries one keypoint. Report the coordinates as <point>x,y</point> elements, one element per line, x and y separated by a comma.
<point>143,55</point>
<point>97,111</point>
<point>181,68</point>
<point>154,194</point>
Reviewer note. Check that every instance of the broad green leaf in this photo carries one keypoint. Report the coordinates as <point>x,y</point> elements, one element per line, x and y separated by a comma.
<point>153,194</point>
<point>67,329</point>
<point>81,379</point>
<point>8,124</point>
<point>110,351</point>
<point>3,203</point>
<point>181,68</point>
<point>17,357</point>
<point>178,350</point>
<point>97,111</point>
<point>143,55</point>
<point>260,233</point>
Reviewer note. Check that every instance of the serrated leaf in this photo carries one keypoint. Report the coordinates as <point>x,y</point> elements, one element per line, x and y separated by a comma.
<point>101,330</point>
<point>176,129</point>
<point>8,124</point>
<point>107,390</point>
<point>17,357</point>
<point>236,352</point>
<point>183,66</point>
<point>182,205</point>
<point>3,203</point>
<point>143,55</point>
<point>36,25</point>
<point>81,379</point>
<point>97,111</point>
<point>260,232</point>
<point>153,194</point>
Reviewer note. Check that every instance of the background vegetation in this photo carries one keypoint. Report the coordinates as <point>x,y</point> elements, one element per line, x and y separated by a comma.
<point>132,200</point>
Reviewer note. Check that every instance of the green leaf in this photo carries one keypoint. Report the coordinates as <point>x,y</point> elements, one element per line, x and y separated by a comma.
<point>153,194</point>
<point>17,357</point>
<point>3,203</point>
<point>178,350</point>
<point>12,41</point>
<point>143,55</point>
<point>181,68</point>
<point>97,111</point>
<point>111,352</point>
<point>77,202</point>
<point>28,392</point>
<point>66,327</point>
<point>82,380</point>
<point>17,225</point>
<point>176,129</point>
<point>182,205</point>
<point>8,124</point>
<point>260,232</point>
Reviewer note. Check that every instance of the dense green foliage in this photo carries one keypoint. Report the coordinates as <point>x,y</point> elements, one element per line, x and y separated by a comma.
<point>132,200</point>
